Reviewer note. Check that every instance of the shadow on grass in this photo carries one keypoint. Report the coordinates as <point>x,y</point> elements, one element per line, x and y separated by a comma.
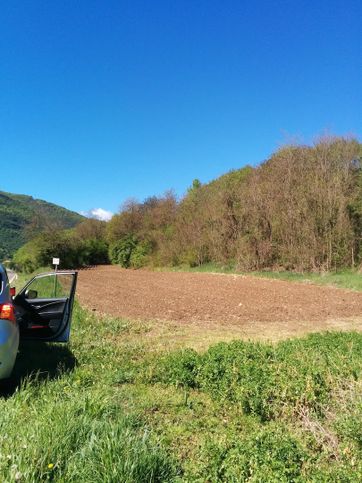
<point>40,361</point>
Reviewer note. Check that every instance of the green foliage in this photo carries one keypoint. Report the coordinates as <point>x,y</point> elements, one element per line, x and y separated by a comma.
<point>120,252</point>
<point>130,252</point>
<point>196,184</point>
<point>22,217</point>
<point>26,258</point>
<point>271,381</point>
<point>299,210</point>
<point>76,438</point>
<point>113,408</point>
<point>267,454</point>
<point>139,255</point>
<point>179,368</point>
<point>61,420</point>
<point>73,252</point>
<point>91,252</point>
<point>289,412</point>
<point>151,225</point>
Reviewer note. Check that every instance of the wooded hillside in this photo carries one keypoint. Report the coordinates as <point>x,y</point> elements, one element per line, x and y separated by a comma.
<point>299,210</point>
<point>22,217</point>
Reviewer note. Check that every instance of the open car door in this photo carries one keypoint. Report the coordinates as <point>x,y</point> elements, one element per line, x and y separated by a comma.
<point>44,306</point>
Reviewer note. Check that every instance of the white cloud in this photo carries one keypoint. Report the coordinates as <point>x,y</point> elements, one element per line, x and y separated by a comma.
<point>98,214</point>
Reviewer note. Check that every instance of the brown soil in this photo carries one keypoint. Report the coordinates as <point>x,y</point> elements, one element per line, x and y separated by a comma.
<point>250,306</point>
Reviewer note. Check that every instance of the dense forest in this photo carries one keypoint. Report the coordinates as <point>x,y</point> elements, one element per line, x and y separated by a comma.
<point>299,210</point>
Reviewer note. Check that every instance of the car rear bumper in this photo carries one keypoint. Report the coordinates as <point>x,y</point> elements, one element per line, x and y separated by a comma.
<point>9,343</point>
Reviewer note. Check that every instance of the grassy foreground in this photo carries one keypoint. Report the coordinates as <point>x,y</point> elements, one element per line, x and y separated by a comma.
<point>117,406</point>
<point>63,418</point>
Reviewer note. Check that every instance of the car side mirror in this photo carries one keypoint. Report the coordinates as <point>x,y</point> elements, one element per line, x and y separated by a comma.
<point>31,294</point>
<point>12,291</point>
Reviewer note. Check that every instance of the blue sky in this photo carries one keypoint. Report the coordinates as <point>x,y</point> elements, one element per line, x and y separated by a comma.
<point>105,100</point>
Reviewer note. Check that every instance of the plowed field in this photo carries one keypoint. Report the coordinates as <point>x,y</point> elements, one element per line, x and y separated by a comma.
<point>249,306</point>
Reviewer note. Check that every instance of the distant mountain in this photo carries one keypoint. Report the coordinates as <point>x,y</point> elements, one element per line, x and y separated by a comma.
<point>22,217</point>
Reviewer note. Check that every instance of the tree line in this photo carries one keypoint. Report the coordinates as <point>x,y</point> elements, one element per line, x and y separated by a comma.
<point>299,210</point>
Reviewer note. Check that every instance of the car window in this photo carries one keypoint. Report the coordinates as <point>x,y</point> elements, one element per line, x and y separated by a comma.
<point>2,283</point>
<point>52,286</point>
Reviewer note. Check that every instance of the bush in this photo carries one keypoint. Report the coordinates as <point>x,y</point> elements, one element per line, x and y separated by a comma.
<point>120,252</point>
<point>271,381</point>
<point>139,255</point>
<point>130,252</point>
<point>92,252</point>
<point>73,251</point>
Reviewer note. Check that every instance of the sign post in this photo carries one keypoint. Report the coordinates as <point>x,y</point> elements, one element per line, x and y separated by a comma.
<point>56,262</point>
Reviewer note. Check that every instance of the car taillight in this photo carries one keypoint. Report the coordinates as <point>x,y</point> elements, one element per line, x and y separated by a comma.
<point>7,312</point>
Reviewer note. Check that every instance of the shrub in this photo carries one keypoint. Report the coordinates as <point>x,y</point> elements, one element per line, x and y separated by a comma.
<point>92,252</point>
<point>271,381</point>
<point>120,252</point>
<point>73,251</point>
<point>139,255</point>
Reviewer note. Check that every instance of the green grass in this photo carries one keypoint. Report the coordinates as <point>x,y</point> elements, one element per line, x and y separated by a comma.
<point>116,404</point>
<point>287,412</point>
<point>63,419</point>
<point>344,279</point>
<point>205,268</point>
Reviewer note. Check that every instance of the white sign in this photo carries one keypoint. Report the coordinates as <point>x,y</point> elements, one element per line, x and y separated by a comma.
<point>56,261</point>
